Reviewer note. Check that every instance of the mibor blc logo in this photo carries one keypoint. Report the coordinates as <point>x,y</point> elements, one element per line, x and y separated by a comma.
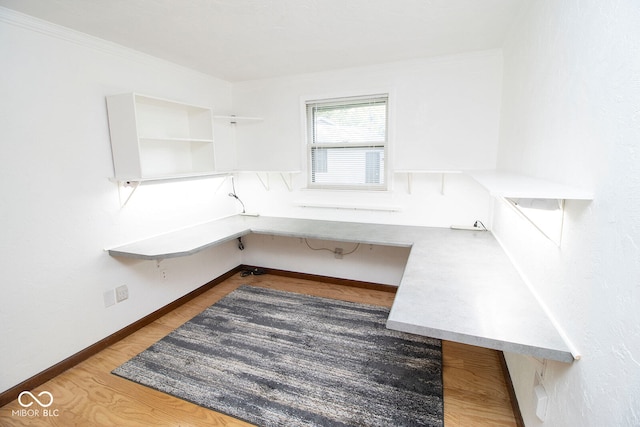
<point>42,401</point>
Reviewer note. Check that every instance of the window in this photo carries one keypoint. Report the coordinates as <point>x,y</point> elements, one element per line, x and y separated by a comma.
<point>347,143</point>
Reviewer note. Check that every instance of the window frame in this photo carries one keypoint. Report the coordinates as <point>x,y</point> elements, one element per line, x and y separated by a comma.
<point>311,145</point>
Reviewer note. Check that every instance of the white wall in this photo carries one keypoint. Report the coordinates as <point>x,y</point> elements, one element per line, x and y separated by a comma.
<point>444,115</point>
<point>59,210</point>
<point>571,113</point>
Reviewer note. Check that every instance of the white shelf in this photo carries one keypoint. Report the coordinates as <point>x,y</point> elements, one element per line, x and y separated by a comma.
<point>129,181</point>
<point>238,119</point>
<point>349,206</point>
<point>426,171</point>
<point>188,140</point>
<point>265,171</point>
<point>504,184</point>
<point>158,139</point>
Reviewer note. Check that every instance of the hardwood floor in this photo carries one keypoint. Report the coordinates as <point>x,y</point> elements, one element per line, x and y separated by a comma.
<point>475,392</point>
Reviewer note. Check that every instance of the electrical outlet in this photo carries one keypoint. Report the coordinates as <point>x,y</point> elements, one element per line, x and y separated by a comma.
<point>122,293</point>
<point>338,253</point>
<point>109,298</point>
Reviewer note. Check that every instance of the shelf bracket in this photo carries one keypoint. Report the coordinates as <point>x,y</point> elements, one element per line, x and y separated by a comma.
<point>558,228</point>
<point>133,184</point>
<point>410,182</point>
<point>288,183</point>
<point>221,183</point>
<point>265,182</point>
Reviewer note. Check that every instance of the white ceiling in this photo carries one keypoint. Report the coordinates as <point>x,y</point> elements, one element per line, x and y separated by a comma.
<point>240,40</point>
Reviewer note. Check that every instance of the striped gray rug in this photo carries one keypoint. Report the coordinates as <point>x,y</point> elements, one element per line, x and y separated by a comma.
<point>276,358</point>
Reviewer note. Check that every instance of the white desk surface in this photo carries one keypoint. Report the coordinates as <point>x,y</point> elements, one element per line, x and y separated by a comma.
<point>457,285</point>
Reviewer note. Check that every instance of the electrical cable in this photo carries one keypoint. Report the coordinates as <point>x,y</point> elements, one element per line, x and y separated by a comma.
<point>235,196</point>
<point>233,185</point>
<point>255,271</point>
<point>331,250</point>
<point>318,249</point>
<point>475,224</point>
<point>353,250</point>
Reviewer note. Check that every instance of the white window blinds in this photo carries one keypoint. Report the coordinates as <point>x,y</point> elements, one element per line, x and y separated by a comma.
<point>347,143</point>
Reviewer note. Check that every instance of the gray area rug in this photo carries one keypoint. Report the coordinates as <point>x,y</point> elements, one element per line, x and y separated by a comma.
<point>276,358</point>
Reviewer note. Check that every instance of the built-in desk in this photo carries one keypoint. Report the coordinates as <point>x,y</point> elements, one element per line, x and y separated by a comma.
<point>457,285</point>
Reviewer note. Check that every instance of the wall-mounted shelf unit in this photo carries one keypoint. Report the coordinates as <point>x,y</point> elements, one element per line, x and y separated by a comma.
<point>510,185</point>
<point>232,119</point>
<point>411,172</point>
<point>158,139</point>
<point>538,201</point>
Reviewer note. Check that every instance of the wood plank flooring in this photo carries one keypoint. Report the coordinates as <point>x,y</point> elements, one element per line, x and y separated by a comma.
<point>475,392</point>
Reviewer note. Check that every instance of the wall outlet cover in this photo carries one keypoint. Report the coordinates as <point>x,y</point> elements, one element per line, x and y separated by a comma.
<point>109,298</point>
<point>540,401</point>
<point>122,293</point>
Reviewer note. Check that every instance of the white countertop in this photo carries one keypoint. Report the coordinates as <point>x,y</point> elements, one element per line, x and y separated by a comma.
<point>457,285</point>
